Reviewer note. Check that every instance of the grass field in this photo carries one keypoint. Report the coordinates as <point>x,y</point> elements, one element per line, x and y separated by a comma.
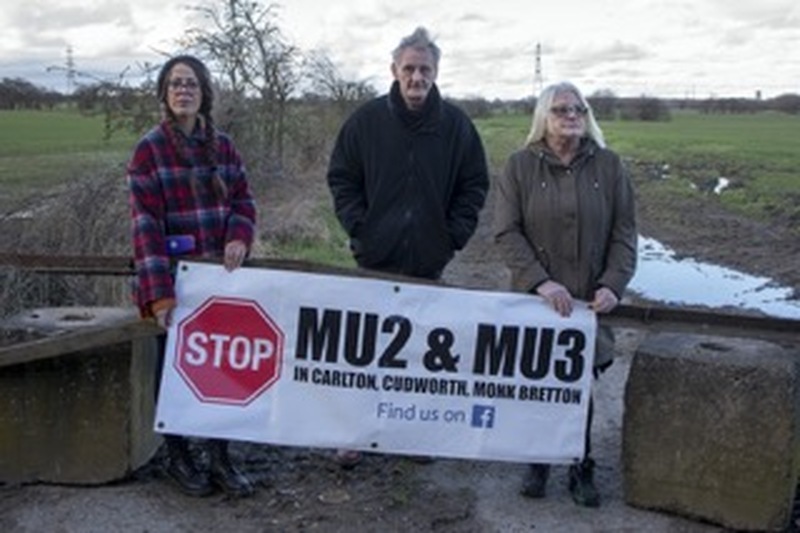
<point>763,138</point>
<point>760,151</point>
<point>39,149</point>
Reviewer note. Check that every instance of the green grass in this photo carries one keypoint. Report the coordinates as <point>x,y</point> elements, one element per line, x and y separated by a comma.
<point>502,135</point>
<point>43,149</point>
<point>760,152</point>
<point>330,250</point>
<point>34,133</point>
<point>767,138</point>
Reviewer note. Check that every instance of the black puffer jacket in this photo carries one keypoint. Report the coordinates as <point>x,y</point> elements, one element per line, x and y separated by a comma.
<point>408,187</point>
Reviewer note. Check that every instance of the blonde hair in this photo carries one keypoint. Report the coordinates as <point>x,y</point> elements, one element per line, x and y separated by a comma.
<point>545,101</point>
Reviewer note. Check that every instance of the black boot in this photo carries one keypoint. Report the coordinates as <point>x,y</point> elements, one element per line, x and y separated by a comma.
<point>535,480</point>
<point>182,470</point>
<point>581,484</point>
<point>223,473</point>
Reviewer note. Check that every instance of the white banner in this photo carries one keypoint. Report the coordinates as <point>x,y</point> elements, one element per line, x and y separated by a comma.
<point>318,360</point>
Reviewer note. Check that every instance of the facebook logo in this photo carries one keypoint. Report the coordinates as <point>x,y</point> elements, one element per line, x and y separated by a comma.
<point>482,416</point>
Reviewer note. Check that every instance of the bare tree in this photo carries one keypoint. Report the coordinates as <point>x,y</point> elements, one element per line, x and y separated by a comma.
<point>258,65</point>
<point>17,93</point>
<point>604,104</point>
<point>786,103</point>
<point>328,83</point>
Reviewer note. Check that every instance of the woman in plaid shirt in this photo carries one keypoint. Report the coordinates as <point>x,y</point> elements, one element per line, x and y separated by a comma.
<point>189,195</point>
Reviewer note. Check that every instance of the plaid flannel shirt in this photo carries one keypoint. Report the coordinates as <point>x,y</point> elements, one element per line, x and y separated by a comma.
<point>164,202</point>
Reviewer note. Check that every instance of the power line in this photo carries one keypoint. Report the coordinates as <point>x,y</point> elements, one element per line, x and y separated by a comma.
<point>538,78</point>
<point>70,70</point>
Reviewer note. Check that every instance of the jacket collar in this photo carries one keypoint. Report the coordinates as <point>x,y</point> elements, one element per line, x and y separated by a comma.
<point>586,149</point>
<point>428,116</point>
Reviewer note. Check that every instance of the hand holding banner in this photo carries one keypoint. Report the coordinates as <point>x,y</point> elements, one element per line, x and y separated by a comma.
<point>331,361</point>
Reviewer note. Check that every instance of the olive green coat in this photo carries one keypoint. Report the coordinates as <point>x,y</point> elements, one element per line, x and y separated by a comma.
<point>575,224</point>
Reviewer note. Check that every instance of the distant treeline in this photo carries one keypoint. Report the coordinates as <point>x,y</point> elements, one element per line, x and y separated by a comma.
<point>18,93</point>
<point>607,106</point>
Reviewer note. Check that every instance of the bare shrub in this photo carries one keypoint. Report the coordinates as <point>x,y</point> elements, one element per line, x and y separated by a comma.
<point>87,217</point>
<point>290,210</point>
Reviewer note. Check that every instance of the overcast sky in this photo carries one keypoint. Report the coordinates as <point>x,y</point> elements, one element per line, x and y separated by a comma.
<point>675,48</point>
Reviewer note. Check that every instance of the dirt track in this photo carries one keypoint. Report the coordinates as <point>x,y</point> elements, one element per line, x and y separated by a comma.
<point>302,490</point>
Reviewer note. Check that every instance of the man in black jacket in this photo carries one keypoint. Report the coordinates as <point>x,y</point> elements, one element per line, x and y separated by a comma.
<point>408,174</point>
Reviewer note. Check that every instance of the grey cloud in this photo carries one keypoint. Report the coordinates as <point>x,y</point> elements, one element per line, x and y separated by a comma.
<point>763,25</point>
<point>500,71</point>
<point>622,72</point>
<point>46,40</point>
<point>43,25</point>
<point>736,37</point>
<point>469,18</point>
<point>780,21</point>
<point>620,51</point>
<point>484,63</point>
<point>488,30</point>
<point>748,11</point>
<point>41,15</point>
<point>582,59</point>
<point>488,56</point>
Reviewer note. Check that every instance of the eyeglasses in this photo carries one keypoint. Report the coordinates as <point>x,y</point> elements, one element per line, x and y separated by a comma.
<point>189,83</point>
<point>566,110</point>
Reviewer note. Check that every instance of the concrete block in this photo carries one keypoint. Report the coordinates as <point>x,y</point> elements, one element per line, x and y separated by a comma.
<point>82,417</point>
<point>710,430</point>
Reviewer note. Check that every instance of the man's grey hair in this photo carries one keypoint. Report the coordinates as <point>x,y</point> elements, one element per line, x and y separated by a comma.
<point>419,40</point>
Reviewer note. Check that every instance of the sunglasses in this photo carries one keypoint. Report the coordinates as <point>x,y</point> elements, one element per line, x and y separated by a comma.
<point>566,110</point>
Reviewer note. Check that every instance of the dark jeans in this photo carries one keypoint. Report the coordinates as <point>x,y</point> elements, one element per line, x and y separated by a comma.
<point>162,347</point>
<point>588,451</point>
<point>596,372</point>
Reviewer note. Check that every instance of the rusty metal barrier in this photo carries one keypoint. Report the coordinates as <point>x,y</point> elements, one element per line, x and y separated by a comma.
<point>637,316</point>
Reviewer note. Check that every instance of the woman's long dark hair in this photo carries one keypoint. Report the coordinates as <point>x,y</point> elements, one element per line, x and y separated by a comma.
<point>205,118</point>
<point>203,77</point>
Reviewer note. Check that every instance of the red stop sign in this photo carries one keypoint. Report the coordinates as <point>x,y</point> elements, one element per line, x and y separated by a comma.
<point>229,351</point>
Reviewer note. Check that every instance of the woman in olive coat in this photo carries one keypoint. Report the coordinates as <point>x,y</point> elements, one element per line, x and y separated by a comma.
<point>565,224</point>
